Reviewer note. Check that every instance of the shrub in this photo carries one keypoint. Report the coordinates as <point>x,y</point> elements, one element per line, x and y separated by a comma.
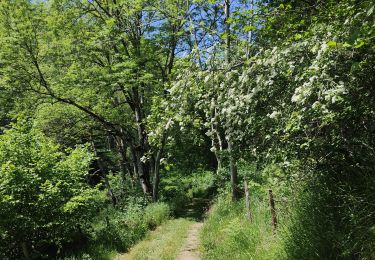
<point>156,213</point>
<point>333,217</point>
<point>180,188</point>
<point>45,201</point>
<point>116,230</point>
<point>120,229</point>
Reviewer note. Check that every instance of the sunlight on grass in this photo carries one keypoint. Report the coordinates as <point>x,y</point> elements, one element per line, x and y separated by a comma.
<point>228,232</point>
<point>163,243</point>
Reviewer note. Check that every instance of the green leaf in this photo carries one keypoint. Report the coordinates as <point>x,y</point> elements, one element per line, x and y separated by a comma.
<point>110,22</point>
<point>224,36</point>
<point>297,37</point>
<point>332,44</point>
<point>359,43</point>
<point>248,28</point>
<point>355,67</point>
<point>370,11</point>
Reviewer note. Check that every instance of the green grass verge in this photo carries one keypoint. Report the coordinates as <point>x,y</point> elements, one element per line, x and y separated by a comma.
<point>117,230</point>
<point>227,232</point>
<point>163,243</point>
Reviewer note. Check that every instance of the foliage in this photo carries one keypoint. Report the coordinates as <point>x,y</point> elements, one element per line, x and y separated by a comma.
<point>329,219</point>
<point>155,214</point>
<point>179,189</point>
<point>304,95</point>
<point>45,200</point>
<point>87,55</point>
<point>65,124</point>
<point>124,228</point>
<point>228,232</point>
<point>117,230</point>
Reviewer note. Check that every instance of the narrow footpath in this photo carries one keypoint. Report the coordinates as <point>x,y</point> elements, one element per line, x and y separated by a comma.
<point>190,251</point>
<point>175,239</point>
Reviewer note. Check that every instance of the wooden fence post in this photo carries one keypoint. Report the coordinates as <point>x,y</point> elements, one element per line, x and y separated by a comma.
<point>247,200</point>
<point>273,210</point>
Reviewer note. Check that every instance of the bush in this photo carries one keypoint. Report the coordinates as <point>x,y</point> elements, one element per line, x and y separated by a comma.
<point>326,214</point>
<point>333,217</point>
<point>120,229</point>
<point>155,214</point>
<point>179,188</point>
<point>45,202</point>
<point>116,230</point>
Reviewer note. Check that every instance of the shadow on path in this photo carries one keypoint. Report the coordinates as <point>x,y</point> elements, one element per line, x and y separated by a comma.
<point>195,210</point>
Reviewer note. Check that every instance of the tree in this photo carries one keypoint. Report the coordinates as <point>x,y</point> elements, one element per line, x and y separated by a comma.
<point>106,59</point>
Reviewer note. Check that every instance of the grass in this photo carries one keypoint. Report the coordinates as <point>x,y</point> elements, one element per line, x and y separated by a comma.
<point>117,230</point>
<point>163,243</point>
<point>95,252</point>
<point>227,232</point>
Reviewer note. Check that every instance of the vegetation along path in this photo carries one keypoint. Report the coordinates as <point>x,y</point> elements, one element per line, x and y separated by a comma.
<point>175,239</point>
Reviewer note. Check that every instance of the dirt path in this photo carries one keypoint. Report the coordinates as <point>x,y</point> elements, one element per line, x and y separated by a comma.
<point>190,251</point>
<point>175,239</point>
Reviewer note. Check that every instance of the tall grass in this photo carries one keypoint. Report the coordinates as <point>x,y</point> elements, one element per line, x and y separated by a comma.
<point>162,244</point>
<point>327,215</point>
<point>333,218</point>
<point>228,233</point>
<point>117,230</point>
<point>179,189</point>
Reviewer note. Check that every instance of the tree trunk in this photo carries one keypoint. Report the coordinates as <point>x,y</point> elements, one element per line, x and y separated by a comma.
<point>122,165</point>
<point>250,33</point>
<point>232,161</point>
<point>218,148</point>
<point>233,173</point>
<point>144,174</point>
<point>273,210</point>
<point>227,30</point>
<point>140,171</point>
<point>219,154</point>
<point>142,148</point>
<point>157,162</point>
<point>134,162</point>
<point>216,142</point>
<point>155,191</point>
<point>123,161</point>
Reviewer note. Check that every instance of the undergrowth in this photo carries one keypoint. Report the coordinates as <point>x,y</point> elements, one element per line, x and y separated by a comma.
<point>179,189</point>
<point>117,230</point>
<point>228,232</point>
<point>321,215</point>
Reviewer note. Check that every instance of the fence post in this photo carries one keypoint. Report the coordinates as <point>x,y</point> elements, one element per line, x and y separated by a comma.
<point>273,210</point>
<point>247,200</point>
